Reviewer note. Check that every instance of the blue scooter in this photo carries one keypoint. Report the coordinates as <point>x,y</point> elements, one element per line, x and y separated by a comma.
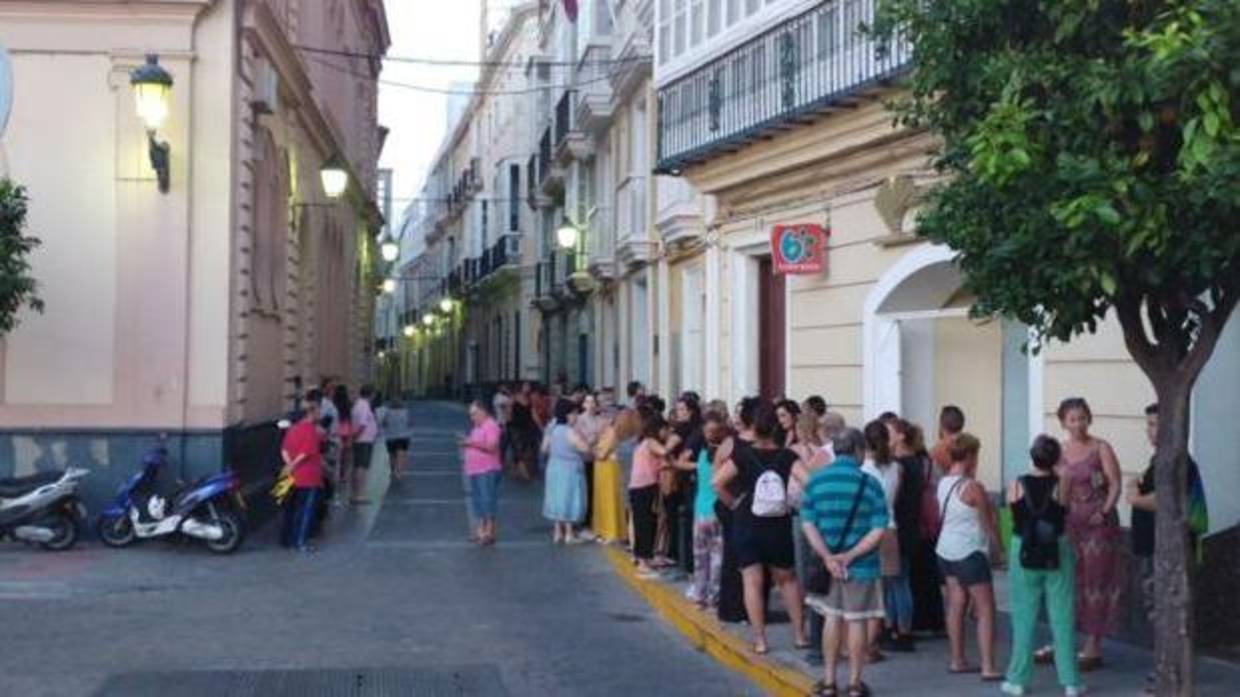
<point>208,509</point>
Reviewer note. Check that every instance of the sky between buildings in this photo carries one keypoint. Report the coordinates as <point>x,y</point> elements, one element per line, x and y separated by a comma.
<point>443,30</point>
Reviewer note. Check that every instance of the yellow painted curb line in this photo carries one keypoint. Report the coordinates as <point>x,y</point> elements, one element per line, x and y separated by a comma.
<point>706,634</point>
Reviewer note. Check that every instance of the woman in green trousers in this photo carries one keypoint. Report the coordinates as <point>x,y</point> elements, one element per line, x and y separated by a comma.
<point>1042,566</point>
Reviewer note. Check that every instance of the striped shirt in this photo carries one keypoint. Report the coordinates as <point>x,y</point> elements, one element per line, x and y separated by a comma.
<point>829,498</point>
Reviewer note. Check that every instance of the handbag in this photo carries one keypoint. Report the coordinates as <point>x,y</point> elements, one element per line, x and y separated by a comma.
<point>929,517</point>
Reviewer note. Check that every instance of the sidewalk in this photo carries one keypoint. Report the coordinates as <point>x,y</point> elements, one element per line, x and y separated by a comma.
<point>784,670</point>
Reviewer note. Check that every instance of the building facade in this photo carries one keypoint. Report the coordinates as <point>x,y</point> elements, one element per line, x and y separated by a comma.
<point>467,285</point>
<point>201,311</point>
<point>775,112</point>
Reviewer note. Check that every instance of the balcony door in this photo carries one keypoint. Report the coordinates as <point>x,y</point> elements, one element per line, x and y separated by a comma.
<point>771,330</point>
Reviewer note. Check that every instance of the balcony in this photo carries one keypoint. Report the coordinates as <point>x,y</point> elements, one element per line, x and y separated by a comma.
<point>633,244</point>
<point>547,284</point>
<point>631,62</point>
<point>594,109</point>
<point>679,218</point>
<point>570,142</point>
<point>550,176</point>
<point>793,73</point>
<point>601,244</point>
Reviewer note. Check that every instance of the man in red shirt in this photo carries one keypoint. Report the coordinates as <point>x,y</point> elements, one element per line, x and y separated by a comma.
<point>303,460</point>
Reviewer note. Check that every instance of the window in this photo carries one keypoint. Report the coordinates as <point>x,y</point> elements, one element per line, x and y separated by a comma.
<point>734,12</point>
<point>665,30</point>
<point>714,17</point>
<point>697,22</point>
<point>679,25</point>
<point>514,194</point>
<point>752,6</point>
<point>484,236</point>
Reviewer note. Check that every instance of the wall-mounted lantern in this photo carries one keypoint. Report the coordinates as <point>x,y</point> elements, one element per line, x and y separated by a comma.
<point>409,330</point>
<point>389,249</point>
<point>446,305</point>
<point>566,236</point>
<point>389,285</point>
<point>152,86</point>
<point>428,319</point>
<point>335,177</point>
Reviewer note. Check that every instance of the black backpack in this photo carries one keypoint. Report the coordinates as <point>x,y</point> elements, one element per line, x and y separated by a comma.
<point>1044,525</point>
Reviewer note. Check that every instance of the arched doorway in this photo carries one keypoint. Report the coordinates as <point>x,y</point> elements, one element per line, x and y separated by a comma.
<point>922,351</point>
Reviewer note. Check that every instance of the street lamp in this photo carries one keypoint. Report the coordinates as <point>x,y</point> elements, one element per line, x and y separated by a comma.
<point>151,87</point>
<point>409,330</point>
<point>389,249</point>
<point>389,285</point>
<point>446,305</point>
<point>335,177</point>
<point>567,236</point>
<point>428,319</point>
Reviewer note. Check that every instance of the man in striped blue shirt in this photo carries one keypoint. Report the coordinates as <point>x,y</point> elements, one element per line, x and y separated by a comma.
<point>844,514</point>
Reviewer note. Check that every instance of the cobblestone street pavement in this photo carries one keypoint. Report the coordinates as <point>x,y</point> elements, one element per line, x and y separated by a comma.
<point>397,602</point>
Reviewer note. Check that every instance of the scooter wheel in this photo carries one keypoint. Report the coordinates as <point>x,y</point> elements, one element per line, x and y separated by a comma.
<point>234,533</point>
<point>116,532</point>
<point>66,531</point>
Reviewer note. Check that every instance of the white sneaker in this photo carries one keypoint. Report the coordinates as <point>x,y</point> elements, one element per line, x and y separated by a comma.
<point>1078,691</point>
<point>1013,689</point>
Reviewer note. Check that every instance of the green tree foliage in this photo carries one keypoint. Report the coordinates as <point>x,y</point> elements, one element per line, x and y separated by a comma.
<point>18,288</point>
<point>1093,154</point>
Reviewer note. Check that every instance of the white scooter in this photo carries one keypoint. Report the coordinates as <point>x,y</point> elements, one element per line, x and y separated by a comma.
<point>42,508</point>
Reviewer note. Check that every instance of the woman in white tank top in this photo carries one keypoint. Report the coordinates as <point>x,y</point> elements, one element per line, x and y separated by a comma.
<point>969,530</point>
<point>961,533</point>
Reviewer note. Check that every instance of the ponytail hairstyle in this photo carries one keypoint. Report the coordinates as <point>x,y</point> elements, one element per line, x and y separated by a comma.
<point>878,441</point>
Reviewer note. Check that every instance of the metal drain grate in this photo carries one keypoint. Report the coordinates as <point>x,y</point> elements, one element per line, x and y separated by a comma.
<point>480,680</point>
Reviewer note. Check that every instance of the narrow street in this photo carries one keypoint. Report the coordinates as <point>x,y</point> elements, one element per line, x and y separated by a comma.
<point>396,602</point>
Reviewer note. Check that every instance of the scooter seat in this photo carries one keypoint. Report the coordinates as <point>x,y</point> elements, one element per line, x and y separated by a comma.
<point>20,486</point>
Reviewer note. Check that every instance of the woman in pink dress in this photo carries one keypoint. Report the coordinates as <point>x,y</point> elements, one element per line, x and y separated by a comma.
<point>1092,473</point>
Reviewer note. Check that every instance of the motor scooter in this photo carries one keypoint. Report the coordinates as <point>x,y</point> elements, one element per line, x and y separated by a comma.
<point>208,509</point>
<point>43,508</point>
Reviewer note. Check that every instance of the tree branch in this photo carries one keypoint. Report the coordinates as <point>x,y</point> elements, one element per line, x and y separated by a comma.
<point>1128,310</point>
<point>1212,323</point>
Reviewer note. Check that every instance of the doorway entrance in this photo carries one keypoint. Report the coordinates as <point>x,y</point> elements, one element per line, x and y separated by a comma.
<point>771,330</point>
<point>923,351</point>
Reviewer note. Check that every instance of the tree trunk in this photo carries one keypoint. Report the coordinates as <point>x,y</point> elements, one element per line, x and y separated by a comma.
<point>1173,621</point>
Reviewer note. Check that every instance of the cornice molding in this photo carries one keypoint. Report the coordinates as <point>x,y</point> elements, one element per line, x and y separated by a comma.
<point>262,29</point>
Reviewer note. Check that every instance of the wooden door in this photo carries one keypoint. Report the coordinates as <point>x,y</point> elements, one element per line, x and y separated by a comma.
<point>771,331</point>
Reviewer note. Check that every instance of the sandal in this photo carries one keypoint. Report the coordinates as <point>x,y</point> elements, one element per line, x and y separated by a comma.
<point>1088,663</point>
<point>963,670</point>
<point>859,690</point>
<point>802,645</point>
<point>1044,656</point>
<point>822,689</point>
<point>761,649</point>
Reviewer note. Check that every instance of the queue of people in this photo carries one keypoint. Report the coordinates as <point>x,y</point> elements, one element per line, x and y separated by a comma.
<point>887,541</point>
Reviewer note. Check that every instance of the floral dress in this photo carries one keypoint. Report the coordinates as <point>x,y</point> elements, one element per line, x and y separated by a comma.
<point>1099,557</point>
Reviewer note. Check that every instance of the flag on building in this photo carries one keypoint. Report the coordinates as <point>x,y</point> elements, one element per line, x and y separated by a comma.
<point>570,9</point>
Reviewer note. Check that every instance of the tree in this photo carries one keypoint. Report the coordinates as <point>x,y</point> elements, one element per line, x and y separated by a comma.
<point>1093,156</point>
<point>18,288</point>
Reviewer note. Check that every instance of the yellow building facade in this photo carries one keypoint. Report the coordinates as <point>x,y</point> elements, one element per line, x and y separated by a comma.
<point>785,123</point>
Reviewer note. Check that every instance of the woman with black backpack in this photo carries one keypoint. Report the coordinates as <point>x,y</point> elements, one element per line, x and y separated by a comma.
<point>1042,566</point>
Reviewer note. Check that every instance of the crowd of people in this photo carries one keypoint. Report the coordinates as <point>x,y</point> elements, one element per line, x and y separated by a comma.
<point>886,539</point>
<point>327,450</point>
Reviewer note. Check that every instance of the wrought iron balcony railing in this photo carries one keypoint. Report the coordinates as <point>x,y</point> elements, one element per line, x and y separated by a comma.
<point>792,71</point>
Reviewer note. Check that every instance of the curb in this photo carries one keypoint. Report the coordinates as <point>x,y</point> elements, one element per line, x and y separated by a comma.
<point>706,634</point>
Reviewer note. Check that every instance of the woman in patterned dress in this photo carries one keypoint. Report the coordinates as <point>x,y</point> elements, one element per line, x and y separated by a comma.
<point>1092,474</point>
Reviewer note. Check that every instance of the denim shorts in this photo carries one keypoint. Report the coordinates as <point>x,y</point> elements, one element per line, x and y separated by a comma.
<point>973,570</point>
<point>484,494</point>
